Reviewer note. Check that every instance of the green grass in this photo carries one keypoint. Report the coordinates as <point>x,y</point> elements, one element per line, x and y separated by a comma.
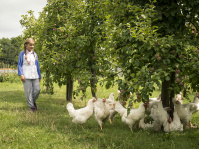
<point>51,126</point>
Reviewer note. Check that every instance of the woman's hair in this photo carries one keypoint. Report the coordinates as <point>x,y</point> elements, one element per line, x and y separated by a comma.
<point>27,41</point>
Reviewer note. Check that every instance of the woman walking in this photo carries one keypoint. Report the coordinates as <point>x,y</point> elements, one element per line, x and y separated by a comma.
<point>29,71</point>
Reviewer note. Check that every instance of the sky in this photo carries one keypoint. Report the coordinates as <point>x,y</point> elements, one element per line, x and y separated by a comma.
<point>10,14</point>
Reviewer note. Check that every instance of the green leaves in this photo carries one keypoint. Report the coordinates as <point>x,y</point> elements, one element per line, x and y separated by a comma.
<point>97,37</point>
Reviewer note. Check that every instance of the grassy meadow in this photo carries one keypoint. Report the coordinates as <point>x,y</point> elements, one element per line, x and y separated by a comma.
<point>51,127</point>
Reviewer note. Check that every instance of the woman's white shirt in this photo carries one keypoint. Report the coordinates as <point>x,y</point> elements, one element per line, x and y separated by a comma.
<point>29,67</point>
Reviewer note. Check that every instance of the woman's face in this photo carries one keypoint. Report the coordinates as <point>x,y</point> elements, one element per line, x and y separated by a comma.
<point>30,45</point>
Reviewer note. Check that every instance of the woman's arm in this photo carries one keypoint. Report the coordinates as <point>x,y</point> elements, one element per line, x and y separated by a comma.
<point>20,64</point>
<point>37,64</point>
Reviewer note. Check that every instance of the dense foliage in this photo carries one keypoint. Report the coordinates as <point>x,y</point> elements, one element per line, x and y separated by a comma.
<point>149,42</point>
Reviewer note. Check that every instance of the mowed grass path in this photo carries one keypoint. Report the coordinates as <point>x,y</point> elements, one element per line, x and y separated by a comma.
<point>51,126</point>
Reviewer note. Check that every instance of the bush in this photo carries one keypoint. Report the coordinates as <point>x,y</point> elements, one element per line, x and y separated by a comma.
<point>9,77</point>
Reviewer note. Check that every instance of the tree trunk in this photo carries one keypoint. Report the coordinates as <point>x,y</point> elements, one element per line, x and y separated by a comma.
<point>165,93</point>
<point>172,95</point>
<point>185,88</point>
<point>69,89</point>
<point>93,83</point>
<point>166,96</point>
<point>47,82</point>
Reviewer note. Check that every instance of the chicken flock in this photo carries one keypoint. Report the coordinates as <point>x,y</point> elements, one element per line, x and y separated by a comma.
<point>106,109</point>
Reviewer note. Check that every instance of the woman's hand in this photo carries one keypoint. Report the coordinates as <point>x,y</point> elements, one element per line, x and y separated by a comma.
<point>23,78</point>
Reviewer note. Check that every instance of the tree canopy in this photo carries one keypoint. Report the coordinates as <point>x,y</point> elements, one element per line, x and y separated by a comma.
<point>10,49</point>
<point>149,42</point>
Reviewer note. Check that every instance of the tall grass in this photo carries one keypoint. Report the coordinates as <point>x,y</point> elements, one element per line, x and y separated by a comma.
<point>51,126</point>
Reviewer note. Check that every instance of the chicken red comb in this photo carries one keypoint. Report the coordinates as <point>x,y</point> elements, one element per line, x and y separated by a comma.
<point>104,100</point>
<point>169,120</point>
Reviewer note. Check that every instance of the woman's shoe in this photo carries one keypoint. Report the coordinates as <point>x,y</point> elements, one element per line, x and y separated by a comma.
<point>33,109</point>
<point>35,106</point>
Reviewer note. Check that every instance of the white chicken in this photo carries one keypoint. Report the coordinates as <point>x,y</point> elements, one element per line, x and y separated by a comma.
<point>156,114</point>
<point>153,104</point>
<point>120,109</point>
<point>80,116</point>
<point>175,125</point>
<point>133,117</point>
<point>147,126</point>
<point>110,105</point>
<point>196,100</point>
<point>111,97</point>
<point>185,111</point>
<point>155,99</point>
<point>159,114</point>
<point>179,97</point>
<point>101,112</point>
<point>120,97</point>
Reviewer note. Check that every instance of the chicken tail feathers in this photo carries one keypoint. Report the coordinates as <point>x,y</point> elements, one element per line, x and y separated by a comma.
<point>70,109</point>
<point>120,109</point>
